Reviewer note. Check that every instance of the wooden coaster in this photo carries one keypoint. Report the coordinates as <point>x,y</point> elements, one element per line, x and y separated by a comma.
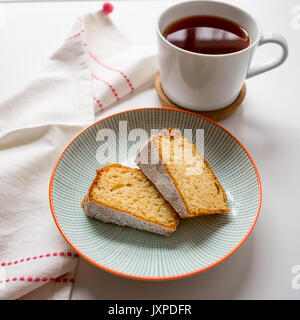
<point>216,115</point>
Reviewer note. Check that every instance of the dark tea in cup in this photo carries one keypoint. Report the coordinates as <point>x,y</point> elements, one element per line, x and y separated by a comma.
<point>207,35</point>
<point>205,50</point>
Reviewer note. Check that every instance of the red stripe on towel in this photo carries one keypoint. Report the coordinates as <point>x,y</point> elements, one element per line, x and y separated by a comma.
<point>68,254</point>
<point>104,65</point>
<point>111,69</point>
<point>98,102</point>
<point>37,279</point>
<point>113,90</point>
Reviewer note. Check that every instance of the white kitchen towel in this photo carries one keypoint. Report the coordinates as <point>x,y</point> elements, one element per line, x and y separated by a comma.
<point>95,67</point>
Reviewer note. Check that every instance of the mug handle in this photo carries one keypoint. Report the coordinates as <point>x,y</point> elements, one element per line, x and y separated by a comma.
<point>270,38</point>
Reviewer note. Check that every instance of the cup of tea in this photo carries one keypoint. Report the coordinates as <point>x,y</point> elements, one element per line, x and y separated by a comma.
<point>205,52</point>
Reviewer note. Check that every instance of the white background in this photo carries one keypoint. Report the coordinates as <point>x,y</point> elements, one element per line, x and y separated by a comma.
<point>268,124</point>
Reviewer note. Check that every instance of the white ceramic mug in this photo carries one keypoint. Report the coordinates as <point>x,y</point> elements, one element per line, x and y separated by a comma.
<point>206,82</point>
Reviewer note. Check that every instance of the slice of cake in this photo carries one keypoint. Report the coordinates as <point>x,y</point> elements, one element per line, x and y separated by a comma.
<point>182,175</point>
<point>124,196</point>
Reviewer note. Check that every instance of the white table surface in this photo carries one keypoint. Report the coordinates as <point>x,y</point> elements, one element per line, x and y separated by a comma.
<point>268,124</point>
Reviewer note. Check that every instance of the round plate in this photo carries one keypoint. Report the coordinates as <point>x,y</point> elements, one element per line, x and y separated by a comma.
<point>198,243</point>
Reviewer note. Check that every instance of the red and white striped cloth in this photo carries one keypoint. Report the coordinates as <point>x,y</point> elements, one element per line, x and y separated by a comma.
<point>94,68</point>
